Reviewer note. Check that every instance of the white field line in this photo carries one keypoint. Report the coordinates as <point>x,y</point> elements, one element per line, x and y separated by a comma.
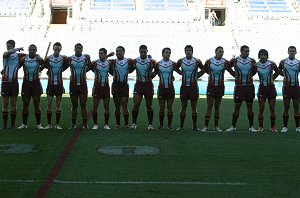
<point>131,182</point>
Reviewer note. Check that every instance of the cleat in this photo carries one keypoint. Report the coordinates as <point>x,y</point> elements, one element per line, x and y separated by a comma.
<point>231,129</point>
<point>160,128</point>
<point>95,127</point>
<point>196,129</point>
<point>204,129</point>
<point>23,126</point>
<point>48,126</point>
<point>284,130</point>
<point>106,127</point>
<point>58,127</point>
<point>127,127</point>
<point>179,129</point>
<point>13,127</point>
<point>298,129</point>
<point>39,126</point>
<point>117,126</point>
<point>72,127</point>
<point>85,126</point>
<point>252,129</point>
<point>150,127</point>
<point>216,128</point>
<point>273,129</point>
<point>133,126</point>
<point>170,128</point>
<point>4,127</point>
<point>260,129</point>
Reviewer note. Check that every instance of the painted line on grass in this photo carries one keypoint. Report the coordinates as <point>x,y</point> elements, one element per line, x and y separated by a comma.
<point>42,191</point>
<point>132,182</point>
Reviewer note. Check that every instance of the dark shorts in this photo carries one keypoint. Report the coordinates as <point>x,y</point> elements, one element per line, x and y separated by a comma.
<point>244,93</point>
<point>189,93</point>
<point>215,91</point>
<point>32,88</point>
<point>267,92</point>
<point>166,93</point>
<point>55,90</point>
<point>101,92</point>
<point>77,90</point>
<point>120,89</point>
<point>291,92</point>
<point>10,89</point>
<point>144,89</point>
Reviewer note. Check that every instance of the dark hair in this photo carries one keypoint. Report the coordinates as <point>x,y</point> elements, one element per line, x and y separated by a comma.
<point>219,47</point>
<point>263,51</point>
<point>143,47</point>
<point>103,50</point>
<point>11,42</point>
<point>166,48</point>
<point>292,47</point>
<point>243,47</point>
<point>121,47</point>
<point>78,44</point>
<point>32,45</point>
<point>58,44</point>
<point>188,47</point>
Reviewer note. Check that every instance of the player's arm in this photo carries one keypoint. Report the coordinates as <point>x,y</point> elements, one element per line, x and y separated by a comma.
<point>112,63</point>
<point>45,64</point>
<point>277,70</point>
<point>155,70</point>
<point>131,65</point>
<point>254,68</point>
<point>177,67</point>
<point>230,64</point>
<point>110,54</point>
<point>12,51</point>
<point>91,67</point>
<point>66,63</point>
<point>204,69</point>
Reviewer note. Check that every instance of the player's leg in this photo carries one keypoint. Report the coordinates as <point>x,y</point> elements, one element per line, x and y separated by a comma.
<point>124,103</point>
<point>5,103</point>
<point>296,113</point>
<point>74,101</point>
<point>194,113</point>
<point>261,105</point>
<point>13,110</point>
<point>49,111</point>
<point>285,115</point>
<point>184,103</point>
<point>37,110</point>
<point>106,112</point>
<point>250,113</point>
<point>235,115</point>
<point>149,100</point>
<point>209,105</point>
<point>217,105</point>
<point>272,103</point>
<point>170,102</point>
<point>25,111</point>
<point>95,112</point>
<point>137,99</point>
<point>58,111</point>
<point>161,103</point>
<point>117,101</point>
<point>83,100</point>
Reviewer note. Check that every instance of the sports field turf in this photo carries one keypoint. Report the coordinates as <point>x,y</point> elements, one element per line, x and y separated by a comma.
<point>189,163</point>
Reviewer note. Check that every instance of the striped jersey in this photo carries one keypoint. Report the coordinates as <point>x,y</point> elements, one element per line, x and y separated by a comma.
<point>165,72</point>
<point>78,67</point>
<point>189,68</point>
<point>31,67</point>
<point>290,71</point>
<point>216,69</point>
<point>11,66</point>
<point>265,72</point>
<point>121,68</point>
<point>143,68</point>
<point>56,65</point>
<point>101,70</point>
<point>244,69</point>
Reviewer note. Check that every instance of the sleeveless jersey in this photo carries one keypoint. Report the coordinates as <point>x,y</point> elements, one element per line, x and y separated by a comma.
<point>165,72</point>
<point>31,67</point>
<point>216,69</point>
<point>55,68</point>
<point>265,72</point>
<point>189,70</point>
<point>290,71</point>
<point>11,65</point>
<point>101,70</point>
<point>244,69</point>
<point>121,69</point>
<point>78,66</point>
<point>143,69</point>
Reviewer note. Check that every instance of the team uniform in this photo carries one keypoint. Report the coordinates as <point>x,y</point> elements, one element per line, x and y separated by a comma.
<point>165,71</point>
<point>266,88</point>
<point>189,88</point>
<point>55,65</point>
<point>216,69</point>
<point>244,70</point>
<point>101,86</point>
<point>290,87</point>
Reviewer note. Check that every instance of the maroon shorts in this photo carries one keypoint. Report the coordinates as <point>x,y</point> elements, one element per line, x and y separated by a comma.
<point>120,89</point>
<point>10,89</point>
<point>291,92</point>
<point>55,90</point>
<point>215,91</point>
<point>166,93</point>
<point>189,93</point>
<point>267,92</point>
<point>144,89</point>
<point>101,92</point>
<point>32,88</point>
<point>244,93</point>
<point>77,90</point>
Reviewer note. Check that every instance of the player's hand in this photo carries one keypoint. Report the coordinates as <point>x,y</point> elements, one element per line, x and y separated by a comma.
<point>2,72</point>
<point>20,49</point>
<point>111,54</point>
<point>87,56</point>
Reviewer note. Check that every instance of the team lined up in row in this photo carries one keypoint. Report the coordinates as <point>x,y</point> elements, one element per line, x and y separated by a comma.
<point>146,68</point>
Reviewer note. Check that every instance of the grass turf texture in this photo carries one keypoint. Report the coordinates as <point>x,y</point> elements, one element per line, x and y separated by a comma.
<point>267,163</point>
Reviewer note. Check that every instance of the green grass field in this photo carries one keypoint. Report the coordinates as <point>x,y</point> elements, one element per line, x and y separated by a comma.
<point>190,164</point>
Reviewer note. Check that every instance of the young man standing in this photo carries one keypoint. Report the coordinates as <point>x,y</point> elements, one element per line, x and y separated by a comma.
<point>189,89</point>
<point>10,85</point>
<point>291,91</point>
